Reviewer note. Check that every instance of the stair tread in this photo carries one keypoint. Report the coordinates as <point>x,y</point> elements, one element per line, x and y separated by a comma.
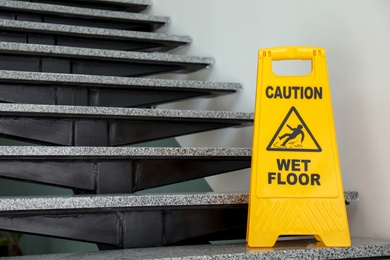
<point>125,56</point>
<point>107,81</point>
<point>129,201</point>
<point>284,250</point>
<point>109,126</point>
<point>60,89</point>
<point>142,2</point>
<point>114,112</point>
<point>90,61</point>
<point>117,170</point>
<point>82,12</point>
<point>102,33</point>
<point>132,5</point>
<point>109,152</point>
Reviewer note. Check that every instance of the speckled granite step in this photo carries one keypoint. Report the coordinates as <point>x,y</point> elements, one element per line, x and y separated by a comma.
<point>104,126</point>
<point>80,36</point>
<point>284,250</point>
<point>86,90</point>
<point>128,221</point>
<point>47,58</point>
<point>114,5</point>
<point>49,13</point>
<point>133,220</point>
<point>108,170</point>
<point>84,202</point>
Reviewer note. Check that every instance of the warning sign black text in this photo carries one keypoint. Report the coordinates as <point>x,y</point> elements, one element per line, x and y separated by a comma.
<point>293,172</point>
<point>293,92</point>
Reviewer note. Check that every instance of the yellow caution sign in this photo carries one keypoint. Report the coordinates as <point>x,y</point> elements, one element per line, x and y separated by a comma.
<point>296,186</point>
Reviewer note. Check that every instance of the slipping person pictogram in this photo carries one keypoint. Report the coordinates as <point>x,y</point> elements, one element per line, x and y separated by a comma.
<point>287,138</point>
<point>296,131</point>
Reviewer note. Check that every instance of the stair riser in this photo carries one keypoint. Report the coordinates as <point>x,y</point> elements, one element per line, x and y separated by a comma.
<point>132,228</point>
<point>91,22</point>
<point>104,176</point>
<point>128,221</point>
<point>46,58</point>
<point>86,42</point>
<point>108,5</point>
<point>49,13</point>
<point>102,131</point>
<point>82,96</point>
<point>21,62</point>
<point>86,90</point>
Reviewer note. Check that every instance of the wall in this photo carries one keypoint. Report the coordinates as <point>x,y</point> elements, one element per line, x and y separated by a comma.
<point>355,34</point>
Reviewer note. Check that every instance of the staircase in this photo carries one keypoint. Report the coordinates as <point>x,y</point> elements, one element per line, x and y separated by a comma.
<point>73,80</point>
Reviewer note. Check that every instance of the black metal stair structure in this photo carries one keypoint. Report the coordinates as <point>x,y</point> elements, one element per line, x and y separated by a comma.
<point>130,221</point>
<point>117,5</point>
<point>87,16</point>
<point>70,75</point>
<point>87,90</point>
<point>72,60</point>
<point>100,126</point>
<point>64,35</point>
<point>109,170</point>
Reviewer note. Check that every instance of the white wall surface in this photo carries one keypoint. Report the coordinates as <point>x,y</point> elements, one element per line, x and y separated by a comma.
<point>356,36</point>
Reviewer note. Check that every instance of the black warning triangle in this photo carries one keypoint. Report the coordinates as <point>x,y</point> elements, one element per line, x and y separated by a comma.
<point>287,138</point>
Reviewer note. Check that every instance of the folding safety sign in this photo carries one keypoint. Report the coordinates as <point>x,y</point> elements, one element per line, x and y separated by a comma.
<point>296,186</point>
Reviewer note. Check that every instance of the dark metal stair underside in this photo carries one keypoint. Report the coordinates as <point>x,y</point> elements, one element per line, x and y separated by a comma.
<point>59,59</point>
<point>88,37</point>
<point>19,10</point>
<point>104,126</point>
<point>87,90</point>
<point>113,5</point>
<point>108,170</point>
<point>128,221</point>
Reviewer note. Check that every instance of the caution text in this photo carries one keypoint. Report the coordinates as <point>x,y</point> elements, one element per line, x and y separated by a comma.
<point>293,92</point>
<point>293,172</point>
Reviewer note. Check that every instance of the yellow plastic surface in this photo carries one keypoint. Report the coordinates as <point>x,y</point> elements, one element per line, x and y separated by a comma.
<point>296,186</point>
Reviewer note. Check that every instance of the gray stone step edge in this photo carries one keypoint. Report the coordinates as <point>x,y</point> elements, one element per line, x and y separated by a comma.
<point>283,250</point>
<point>90,31</point>
<point>99,54</point>
<point>82,12</point>
<point>8,204</point>
<point>140,2</point>
<point>115,112</point>
<point>119,152</point>
<point>107,81</point>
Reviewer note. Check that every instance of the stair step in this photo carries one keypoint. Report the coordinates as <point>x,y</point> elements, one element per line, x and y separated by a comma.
<point>131,201</point>
<point>80,36</point>
<point>50,13</point>
<point>104,126</point>
<point>129,221</point>
<point>113,5</point>
<point>59,59</point>
<point>108,170</point>
<point>362,248</point>
<point>86,90</point>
